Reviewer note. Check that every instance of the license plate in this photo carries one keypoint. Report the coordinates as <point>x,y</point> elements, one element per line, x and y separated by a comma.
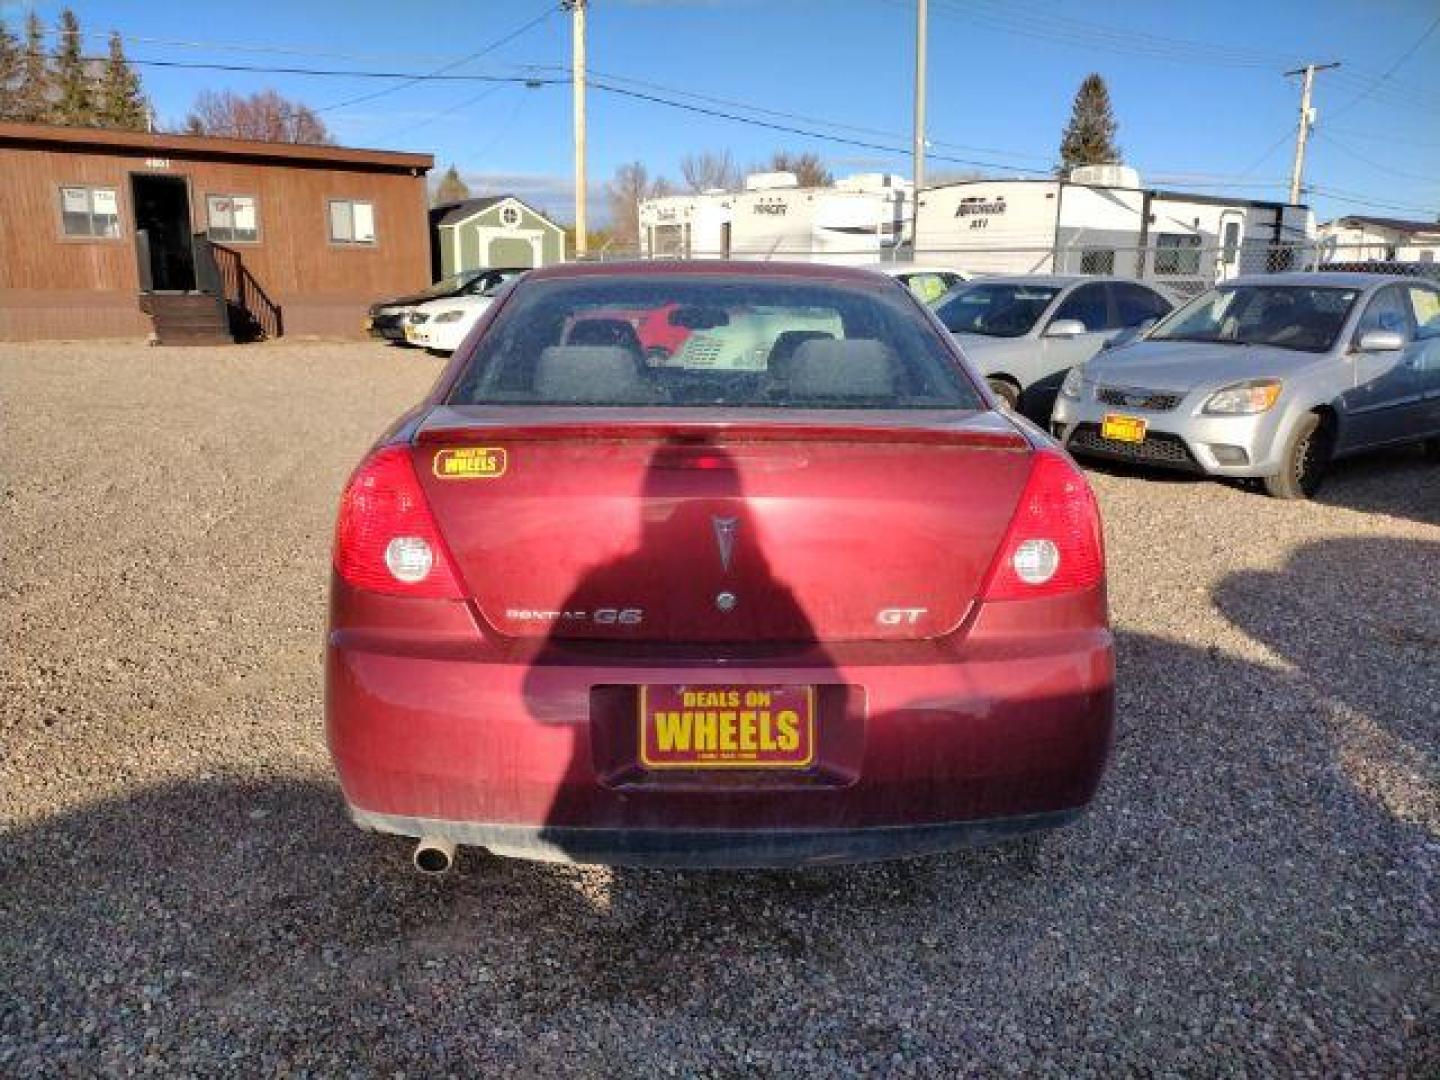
<point>727,727</point>
<point>1129,429</point>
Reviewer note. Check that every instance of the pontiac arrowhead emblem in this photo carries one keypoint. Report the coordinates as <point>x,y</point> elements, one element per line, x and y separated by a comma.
<point>725,529</point>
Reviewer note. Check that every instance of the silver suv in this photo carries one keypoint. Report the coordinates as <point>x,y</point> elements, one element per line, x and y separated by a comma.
<point>1271,376</point>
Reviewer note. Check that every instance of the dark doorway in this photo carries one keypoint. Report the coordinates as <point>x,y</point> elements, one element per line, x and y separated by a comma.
<point>162,233</point>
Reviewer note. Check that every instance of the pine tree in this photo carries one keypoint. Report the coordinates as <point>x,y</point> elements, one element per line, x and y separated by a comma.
<point>75,103</point>
<point>1089,138</point>
<point>11,63</point>
<point>121,103</point>
<point>31,100</point>
<point>451,188</point>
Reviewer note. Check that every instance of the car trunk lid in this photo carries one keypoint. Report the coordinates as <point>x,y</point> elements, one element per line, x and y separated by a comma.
<point>580,526</point>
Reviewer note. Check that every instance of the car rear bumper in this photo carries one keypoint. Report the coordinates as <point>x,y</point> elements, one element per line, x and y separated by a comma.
<point>531,749</point>
<point>717,848</point>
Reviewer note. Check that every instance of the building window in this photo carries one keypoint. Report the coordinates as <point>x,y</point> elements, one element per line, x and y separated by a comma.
<point>1177,253</point>
<point>1097,261</point>
<point>510,216</point>
<point>352,222</point>
<point>89,211</point>
<point>232,218</point>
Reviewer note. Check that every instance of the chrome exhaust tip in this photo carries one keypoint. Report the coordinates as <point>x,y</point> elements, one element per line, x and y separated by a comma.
<point>434,856</point>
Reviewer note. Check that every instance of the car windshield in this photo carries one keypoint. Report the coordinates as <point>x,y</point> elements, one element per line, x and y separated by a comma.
<point>453,284</point>
<point>655,341</point>
<point>1307,318</point>
<point>996,310</point>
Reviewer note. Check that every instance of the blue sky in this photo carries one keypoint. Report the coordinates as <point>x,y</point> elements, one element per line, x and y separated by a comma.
<point>1197,87</point>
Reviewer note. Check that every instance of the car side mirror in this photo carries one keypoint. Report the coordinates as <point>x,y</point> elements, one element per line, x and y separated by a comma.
<point>1066,328</point>
<point>1381,341</point>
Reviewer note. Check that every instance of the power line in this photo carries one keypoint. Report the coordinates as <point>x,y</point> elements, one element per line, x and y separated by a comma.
<point>445,67</point>
<point>791,130</point>
<point>1357,199</point>
<point>1387,169</point>
<point>344,73</point>
<point>801,117</point>
<point>1414,47</point>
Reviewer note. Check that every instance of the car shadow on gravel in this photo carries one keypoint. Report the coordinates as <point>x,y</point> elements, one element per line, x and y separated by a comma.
<point>1249,888</point>
<point>1397,482</point>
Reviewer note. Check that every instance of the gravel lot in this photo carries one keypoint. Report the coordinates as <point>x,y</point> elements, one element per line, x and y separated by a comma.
<point>180,892</point>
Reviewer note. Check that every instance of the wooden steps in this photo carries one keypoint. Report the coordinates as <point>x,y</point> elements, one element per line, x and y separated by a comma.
<point>188,318</point>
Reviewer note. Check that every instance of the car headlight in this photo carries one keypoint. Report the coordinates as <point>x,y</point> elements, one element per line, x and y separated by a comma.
<point>1074,380</point>
<point>450,316</point>
<point>1244,398</point>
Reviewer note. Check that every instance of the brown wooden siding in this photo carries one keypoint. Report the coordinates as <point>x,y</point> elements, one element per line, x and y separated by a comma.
<point>52,285</point>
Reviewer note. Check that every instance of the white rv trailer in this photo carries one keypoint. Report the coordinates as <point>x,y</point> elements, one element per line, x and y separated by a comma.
<point>858,221</point>
<point>686,226</point>
<point>1101,221</point>
<point>855,222</point>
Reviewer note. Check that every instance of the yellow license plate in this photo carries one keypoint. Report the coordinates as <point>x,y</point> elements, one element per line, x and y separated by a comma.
<point>1129,429</point>
<point>727,727</point>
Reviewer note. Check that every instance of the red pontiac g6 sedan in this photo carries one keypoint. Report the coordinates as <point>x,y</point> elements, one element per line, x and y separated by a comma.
<point>802,594</point>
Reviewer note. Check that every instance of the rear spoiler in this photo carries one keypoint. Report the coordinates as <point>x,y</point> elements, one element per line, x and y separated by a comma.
<point>986,431</point>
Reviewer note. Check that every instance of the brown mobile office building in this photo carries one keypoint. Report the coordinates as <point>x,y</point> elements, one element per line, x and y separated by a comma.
<point>94,223</point>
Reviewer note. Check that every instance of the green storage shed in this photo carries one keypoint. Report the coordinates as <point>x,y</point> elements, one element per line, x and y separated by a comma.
<point>499,231</point>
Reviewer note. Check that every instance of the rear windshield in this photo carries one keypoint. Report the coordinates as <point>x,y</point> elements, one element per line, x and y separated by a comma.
<point>712,341</point>
<point>1301,317</point>
<point>995,310</point>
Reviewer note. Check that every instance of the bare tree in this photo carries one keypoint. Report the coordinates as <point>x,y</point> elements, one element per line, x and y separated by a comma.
<point>623,194</point>
<point>809,170</point>
<point>267,116</point>
<point>709,169</point>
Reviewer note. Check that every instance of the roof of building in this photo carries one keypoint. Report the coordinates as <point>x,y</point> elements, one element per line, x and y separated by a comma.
<point>1394,224</point>
<point>456,212</point>
<point>166,144</point>
<point>453,212</point>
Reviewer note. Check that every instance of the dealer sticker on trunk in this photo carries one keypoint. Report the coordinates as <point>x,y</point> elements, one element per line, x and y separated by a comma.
<point>716,727</point>
<point>471,463</point>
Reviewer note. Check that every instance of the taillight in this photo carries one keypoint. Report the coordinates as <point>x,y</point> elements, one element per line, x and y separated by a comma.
<point>386,539</point>
<point>1053,544</point>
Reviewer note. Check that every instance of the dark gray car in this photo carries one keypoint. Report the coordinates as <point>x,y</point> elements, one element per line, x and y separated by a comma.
<point>1271,376</point>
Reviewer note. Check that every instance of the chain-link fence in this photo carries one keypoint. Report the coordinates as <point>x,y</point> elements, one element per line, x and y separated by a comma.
<point>1183,266</point>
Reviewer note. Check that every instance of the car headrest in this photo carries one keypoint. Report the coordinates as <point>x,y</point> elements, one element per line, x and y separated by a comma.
<point>594,374</point>
<point>603,332</point>
<point>859,368</point>
<point>782,353</point>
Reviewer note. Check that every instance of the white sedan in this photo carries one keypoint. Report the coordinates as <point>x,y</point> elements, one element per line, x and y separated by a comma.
<point>929,283</point>
<point>441,325</point>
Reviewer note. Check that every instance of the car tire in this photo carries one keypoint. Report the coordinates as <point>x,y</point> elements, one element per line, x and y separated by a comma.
<point>1432,450</point>
<point>1007,392</point>
<point>1305,461</point>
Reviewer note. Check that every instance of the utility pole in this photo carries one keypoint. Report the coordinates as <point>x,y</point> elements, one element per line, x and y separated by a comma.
<point>577,82</point>
<point>1307,121</point>
<point>918,149</point>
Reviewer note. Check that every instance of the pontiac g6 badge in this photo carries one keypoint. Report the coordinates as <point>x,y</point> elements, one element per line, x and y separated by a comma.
<point>471,462</point>
<point>725,529</point>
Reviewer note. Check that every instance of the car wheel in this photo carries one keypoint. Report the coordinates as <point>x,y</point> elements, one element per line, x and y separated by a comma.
<point>1432,451</point>
<point>1305,461</point>
<point>1007,392</point>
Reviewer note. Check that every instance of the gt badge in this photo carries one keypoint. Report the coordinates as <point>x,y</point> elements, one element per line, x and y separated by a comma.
<point>471,463</point>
